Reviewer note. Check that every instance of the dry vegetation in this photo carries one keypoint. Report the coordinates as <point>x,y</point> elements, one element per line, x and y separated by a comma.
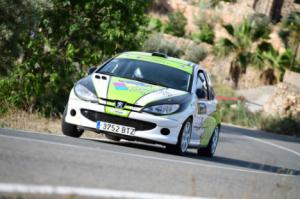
<point>34,122</point>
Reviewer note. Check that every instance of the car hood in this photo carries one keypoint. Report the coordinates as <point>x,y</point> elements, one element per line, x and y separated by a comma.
<point>134,95</point>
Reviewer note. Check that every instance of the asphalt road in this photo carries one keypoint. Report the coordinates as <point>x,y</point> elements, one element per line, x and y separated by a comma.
<point>247,164</point>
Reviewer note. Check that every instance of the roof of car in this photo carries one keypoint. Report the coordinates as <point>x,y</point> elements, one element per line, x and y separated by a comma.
<point>160,59</point>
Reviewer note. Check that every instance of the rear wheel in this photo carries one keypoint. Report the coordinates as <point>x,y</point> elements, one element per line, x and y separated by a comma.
<point>70,129</point>
<point>210,150</point>
<point>183,139</point>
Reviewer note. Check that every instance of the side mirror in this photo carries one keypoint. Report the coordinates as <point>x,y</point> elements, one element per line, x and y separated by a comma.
<point>91,70</point>
<point>201,93</point>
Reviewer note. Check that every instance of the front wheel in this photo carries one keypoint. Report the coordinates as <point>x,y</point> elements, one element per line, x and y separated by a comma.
<point>183,139</point>
<point>70,129</point>
<point>210,150</point>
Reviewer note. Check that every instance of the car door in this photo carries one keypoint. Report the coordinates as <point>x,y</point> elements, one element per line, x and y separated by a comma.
<point>205,107</point>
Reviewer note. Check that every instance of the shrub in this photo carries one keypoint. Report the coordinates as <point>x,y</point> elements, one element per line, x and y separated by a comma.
<point>260,26</point>
<point>205,4</point>
<point>195,53</point>
<point>287,125</point>
<point>18,18</point>
<point>70,36</point>
<point>237,113</point>
<point>155,25</point>
<point>176,24</point>
<point>157,43</point>
<point>206,34</point>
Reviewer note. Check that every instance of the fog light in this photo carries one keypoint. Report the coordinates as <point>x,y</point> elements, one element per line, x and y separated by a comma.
<point>165,131</point>
<point>73,112</point>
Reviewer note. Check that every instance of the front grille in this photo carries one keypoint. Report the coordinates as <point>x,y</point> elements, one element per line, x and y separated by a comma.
<point>137,124</point>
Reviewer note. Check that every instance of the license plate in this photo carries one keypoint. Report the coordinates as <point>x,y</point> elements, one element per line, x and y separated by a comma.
<point>115,128</point>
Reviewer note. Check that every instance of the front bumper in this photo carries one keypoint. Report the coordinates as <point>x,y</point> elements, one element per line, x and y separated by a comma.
<point>148,126</point>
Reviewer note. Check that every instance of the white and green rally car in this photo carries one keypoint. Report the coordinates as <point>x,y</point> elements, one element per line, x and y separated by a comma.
<point>147,97</point>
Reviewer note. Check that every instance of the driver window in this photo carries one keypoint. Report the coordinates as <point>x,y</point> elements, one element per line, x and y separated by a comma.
<point>202,83</point>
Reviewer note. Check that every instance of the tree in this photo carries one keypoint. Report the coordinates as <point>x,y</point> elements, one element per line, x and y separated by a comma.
<point>71,35</point>
<point>240,44</point>
<point>290,34</point>
<point>266,58</point>
<point>177,23</point>
<point>18,18</point>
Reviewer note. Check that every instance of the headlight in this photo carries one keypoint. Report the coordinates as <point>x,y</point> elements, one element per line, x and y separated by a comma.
<point>162,109</point>
<point>84,93</point>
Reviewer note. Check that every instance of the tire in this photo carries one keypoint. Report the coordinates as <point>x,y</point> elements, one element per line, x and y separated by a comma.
<point>183,139</point>
<point>112,137</point>
<point>210,150</point>
<point>70,129</point>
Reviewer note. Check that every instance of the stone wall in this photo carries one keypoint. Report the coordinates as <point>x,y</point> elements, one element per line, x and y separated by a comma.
<point>292,78</point>
<point>285,102</point>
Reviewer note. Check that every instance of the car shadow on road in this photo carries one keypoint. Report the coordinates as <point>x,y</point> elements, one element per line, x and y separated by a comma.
<point>257,134</point>
<point>224,161</point>
<point>237,163</point>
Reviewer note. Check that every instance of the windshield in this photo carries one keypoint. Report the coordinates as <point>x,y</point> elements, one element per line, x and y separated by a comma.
<point>148,72</point>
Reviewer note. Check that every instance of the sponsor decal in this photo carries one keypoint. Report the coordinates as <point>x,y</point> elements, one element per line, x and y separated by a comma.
<point>118,112</point>
<point>120,86</point>
<point>134,83</point>
<point>132,86</point>
<point>128,92</point>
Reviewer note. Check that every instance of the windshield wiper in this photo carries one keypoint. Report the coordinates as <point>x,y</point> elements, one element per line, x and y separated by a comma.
<point>147,81</point>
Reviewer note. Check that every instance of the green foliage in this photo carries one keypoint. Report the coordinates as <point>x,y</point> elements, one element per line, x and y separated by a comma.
<point>224,90</point>
<point>286,125</point>
<point>69,36</point>
<point>155,25</point>
<point>176,24</point>
<point>157,43</point>
<point>95,29</point>
<point>237,113</point>
<point>254,29</point>
<point>42,82</point>
<point>290,29</point>
<point>195,53</point>
<point>267,57</point>
<point>206,34</point>
<point>18,18</point>
<point>290,35</point>
<point>205,4</point>
<point>214,3</point>
<point>260,26</point>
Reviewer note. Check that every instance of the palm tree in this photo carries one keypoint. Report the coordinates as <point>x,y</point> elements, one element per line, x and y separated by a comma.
<point>254,29</point>
<point>290,33</point>
<point>266,58</point>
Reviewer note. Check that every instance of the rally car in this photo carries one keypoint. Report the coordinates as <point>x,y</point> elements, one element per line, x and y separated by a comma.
<point>148,97</point>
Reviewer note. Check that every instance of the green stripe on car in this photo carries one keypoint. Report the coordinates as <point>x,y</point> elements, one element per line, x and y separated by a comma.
<point>128,91</point>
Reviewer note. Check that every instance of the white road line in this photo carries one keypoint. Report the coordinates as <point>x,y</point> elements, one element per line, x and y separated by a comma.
<point>149,157</point>
<point>274,145</point>
<point>87,192</point>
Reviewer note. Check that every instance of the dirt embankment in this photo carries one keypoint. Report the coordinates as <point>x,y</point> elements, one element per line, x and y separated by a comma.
<point>33,122</point>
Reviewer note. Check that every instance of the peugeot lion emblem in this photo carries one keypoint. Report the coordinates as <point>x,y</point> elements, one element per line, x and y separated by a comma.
<point>120,104</point>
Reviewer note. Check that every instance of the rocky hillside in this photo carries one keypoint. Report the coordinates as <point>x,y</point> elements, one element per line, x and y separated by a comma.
<point>269,57</point>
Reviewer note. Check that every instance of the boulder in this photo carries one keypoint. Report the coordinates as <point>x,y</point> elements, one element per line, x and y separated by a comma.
<point>285,102</point>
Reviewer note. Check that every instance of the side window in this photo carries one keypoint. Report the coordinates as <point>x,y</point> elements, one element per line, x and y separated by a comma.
<point>202,83</point>
<point>211,92</point>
